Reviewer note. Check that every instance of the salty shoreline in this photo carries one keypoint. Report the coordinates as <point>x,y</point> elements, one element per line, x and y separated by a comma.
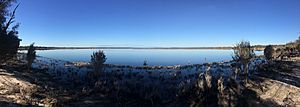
<point>82,67</point>
<point>146,83</point>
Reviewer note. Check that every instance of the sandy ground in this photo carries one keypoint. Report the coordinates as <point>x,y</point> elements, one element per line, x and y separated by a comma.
<point>16,89</point>
<point>279,86</point>
<point>276,91</point>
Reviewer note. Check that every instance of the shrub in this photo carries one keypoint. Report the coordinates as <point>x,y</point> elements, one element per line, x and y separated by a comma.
<point>9,41</point>
<point>31,55</point>
<point>243,54</point>
<point>97,60</point>
<point>8,47</point>
<point>269,52</point>
<point>298,47</point>
<point>145,63</point>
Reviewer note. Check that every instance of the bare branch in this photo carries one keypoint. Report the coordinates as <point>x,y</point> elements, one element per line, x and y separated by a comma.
<point>10,21</point>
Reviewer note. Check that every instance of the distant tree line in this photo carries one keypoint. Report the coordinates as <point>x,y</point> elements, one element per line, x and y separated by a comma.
<point>37,48</point>
<point>255,47</point>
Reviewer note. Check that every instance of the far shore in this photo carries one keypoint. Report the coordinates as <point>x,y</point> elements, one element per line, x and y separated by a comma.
<point>256,48</point>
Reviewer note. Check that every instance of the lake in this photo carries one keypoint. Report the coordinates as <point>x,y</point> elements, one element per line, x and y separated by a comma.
<point>136,57</point>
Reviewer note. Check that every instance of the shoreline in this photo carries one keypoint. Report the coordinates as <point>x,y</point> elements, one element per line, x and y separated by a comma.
<point>80,69</point>
<point>80,63</point>
<point>138,48</point>
<point>72,84</point>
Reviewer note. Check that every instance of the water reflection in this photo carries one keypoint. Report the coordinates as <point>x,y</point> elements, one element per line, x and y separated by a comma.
<point>136,57</point>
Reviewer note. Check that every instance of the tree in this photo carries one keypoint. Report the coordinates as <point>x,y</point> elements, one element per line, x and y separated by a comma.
<point>269,52</point>
<point>31,55</point>
<point>9,40</point>
<point>243,54</point>
<point>97,60</point>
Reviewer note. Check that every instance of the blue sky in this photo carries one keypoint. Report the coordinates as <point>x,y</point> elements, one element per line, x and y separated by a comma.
<point>151,23</point>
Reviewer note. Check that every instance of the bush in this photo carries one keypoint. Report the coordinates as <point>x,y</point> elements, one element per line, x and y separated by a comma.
<point>9,41</point>
<point>31,55</point>
<point>8,47</point>
<point>298,47</point>
<point>145,63</point>
<point>243,54</point>
<point>269,52</point>
<point>97,60</point>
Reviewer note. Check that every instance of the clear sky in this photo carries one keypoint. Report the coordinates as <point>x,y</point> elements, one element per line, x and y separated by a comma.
<point>150,23</point>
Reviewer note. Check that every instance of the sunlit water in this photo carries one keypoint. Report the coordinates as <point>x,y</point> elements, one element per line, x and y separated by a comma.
<point>136,57</point>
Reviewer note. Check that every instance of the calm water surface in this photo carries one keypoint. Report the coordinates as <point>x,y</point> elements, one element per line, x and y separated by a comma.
<point>136,57</point>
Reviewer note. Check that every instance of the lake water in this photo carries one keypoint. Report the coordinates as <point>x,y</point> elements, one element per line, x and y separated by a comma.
<point>136,57</point>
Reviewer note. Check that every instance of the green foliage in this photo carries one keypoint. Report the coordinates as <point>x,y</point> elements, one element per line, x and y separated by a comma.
<point>243,54</point>
<point>9,41</point>
<point>269,52</point>
<point>31,55</point>
<point>97,60</point>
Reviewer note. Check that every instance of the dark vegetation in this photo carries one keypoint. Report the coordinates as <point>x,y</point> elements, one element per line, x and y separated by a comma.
<point>97,61</point>
<point>145,63</point>
<point>269,52</point>
<point>243,54</point>
<point>31,55</point>
<point>9,40</point>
